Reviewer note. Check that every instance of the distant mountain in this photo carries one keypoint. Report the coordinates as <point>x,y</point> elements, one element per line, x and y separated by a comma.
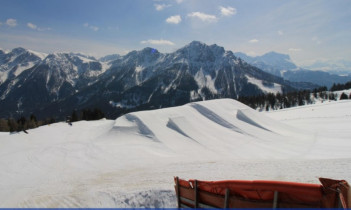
<point>281,65</point>
<point>58,83</point>
<point>340,66</point>
<point>272,62</point>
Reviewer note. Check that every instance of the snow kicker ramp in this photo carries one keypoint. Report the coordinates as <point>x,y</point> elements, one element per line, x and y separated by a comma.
<point>213,129</point>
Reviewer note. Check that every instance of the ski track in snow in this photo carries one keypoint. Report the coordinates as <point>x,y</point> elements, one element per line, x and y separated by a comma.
<point>131,161</point>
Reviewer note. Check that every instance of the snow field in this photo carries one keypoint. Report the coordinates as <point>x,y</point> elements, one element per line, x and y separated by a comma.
<point>131,161</point>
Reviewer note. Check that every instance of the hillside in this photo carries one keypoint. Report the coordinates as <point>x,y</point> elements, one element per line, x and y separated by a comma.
<point>130,161</point>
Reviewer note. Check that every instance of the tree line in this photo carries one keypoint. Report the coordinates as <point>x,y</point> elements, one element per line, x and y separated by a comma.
<point>272,101</point>
<point>267,102</point>
<point>25,123</point>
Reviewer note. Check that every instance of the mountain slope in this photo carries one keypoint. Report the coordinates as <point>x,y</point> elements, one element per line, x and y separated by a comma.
<point>149,79</point>
<point>57,84</point>
<point>44,81</point>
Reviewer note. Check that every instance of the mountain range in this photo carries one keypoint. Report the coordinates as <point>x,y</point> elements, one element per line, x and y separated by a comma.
<point>281,65</point>
<point>58,83</point>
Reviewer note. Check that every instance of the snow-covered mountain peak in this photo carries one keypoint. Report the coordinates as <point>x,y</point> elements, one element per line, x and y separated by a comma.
<point>109,58</point>
<point>218,50</point>
<point>81,55</point>
<point>199,52</point>
<point>41,55</point>
<point>274,57</point>
<point>18,50</point>
<point>145,57</point>
<point>73,63</point>
<point>16,61</point>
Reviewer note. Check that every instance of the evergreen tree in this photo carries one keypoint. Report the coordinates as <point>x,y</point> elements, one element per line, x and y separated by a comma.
<point>13,125</point>
<point>74,116</point>
<point>33,118</point>
<point>4,125</point>
<point>22,123</point>
<point>343,96</point>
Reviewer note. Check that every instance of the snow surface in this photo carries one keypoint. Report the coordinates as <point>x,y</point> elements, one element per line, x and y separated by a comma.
<point>131,161</point>
<point>276,88</point>
<point>203,80</point>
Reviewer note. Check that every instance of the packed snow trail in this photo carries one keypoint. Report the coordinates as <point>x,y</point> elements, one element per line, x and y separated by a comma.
<point>131,161</point>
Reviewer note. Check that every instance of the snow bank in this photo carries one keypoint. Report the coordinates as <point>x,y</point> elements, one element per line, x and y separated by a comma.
<point>130,162</point>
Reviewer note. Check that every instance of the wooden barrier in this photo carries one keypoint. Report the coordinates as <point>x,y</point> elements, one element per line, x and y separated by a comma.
<point>262,194</point>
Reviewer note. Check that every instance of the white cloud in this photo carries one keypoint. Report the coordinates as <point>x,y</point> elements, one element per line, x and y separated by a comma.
<point>174,19</point>
<point>294,49</point>
<point>157,42</point>
<point>203,16</point>
<point>280,33</point>
<point>11,22</point>
<point>253,41</point>
<point>227,11</point>
<point>94,28</point>
<point>32,26</point>
<point>179,1</point>
<point>160,7</point>
<point>35,27</point>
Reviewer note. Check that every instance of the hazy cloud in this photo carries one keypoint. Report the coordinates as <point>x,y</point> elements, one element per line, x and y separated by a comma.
<point>280,33</point>
<point>316,40</point>
<point>11,22</point>
<point>94,28</point>
<point>160,7</point>
<point>253,41</point>
<point>251,53</point>
<point>174,19</point>
<point>203,16</point>
<point>294,49</point>
<point>157,42</point>
<point>179,1</point>
<point>227,11</point>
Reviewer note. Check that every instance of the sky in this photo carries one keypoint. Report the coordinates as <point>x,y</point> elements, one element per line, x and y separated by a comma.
<point>306,30</point>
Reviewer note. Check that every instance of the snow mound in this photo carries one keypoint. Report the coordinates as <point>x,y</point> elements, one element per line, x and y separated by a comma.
<point>222,128</point>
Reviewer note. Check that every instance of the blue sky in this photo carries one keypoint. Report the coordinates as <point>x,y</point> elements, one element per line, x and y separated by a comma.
<point>306,30</point>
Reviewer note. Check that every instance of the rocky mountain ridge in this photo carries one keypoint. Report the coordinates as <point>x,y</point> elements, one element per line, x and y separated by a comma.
<point>58,83</point>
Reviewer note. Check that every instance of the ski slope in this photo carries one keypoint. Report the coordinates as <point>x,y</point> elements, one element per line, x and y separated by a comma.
<point>131,161</point>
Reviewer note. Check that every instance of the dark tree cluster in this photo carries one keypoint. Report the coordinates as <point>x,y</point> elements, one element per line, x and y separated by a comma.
<point>87,114</point>
<point>337,87</point>
<point>23,123</point>
<point>343,96</point>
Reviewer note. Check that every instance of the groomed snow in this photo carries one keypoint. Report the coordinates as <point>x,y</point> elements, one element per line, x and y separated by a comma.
<point>131,161</point>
